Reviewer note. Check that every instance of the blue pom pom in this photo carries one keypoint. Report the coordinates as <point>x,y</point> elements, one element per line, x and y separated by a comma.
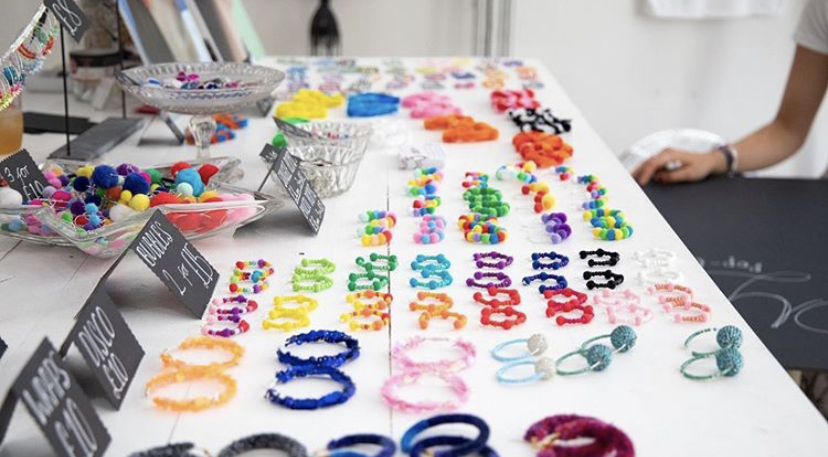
<point>413,282</point>
<point>91,208</point>
<point>191,177</point>
<point>105,177</point>
<point>729,336</point>
<point>64,180</point>
<point>599,357</point>
<point>729,361</point>
<point>136,184</point>
<point>623,338</point>
<point>81,184</point>
<point>94,199</point>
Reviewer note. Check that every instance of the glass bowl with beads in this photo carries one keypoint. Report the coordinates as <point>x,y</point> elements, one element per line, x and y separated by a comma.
<point>229,170</point>
<point>330,157</point>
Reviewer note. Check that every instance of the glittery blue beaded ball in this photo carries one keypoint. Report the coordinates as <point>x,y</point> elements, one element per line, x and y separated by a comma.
<point>623,338</point>
<point>729,336</point>
<point>729,361</point>
<point>599,357</point>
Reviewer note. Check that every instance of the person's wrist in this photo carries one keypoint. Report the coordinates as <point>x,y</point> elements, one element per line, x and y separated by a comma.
<point>717,162</point>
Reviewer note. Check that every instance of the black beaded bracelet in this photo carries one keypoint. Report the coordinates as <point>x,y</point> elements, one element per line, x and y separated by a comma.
<point>171,450</point>
<point>275,441</point>
<point>613,279</point>
<point>612,258</point>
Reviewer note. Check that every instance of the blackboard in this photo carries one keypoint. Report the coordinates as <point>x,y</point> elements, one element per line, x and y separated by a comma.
<point>57,404</point>
<point>71,17</point>
<point>23,175</point>
<point>763,242</point>
<point>3,347</point>
<point>108,346</point>
<point>296,184</point>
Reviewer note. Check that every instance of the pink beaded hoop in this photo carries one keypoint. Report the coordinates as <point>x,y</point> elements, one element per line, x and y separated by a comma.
<point>468,353</point>
<point>392,385</point>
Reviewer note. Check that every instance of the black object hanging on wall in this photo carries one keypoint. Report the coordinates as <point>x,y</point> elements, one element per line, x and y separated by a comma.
<point>324,31</point>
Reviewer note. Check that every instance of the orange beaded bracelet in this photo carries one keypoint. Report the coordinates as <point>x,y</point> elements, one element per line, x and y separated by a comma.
<point>191,374</point>
<point>204,342</point>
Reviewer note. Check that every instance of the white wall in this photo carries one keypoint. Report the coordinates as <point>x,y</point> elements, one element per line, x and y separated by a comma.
<point>630,74</point>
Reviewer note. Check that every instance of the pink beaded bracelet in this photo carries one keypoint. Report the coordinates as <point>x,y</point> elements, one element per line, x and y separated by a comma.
<point>400,355</point>
<point>624,297</point>
<point>637,315</point>
<point>230,325</point>
<point>394,383</point>
<point>237,304</point>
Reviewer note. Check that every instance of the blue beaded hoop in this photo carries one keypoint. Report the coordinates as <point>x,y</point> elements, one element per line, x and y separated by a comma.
<point>465,447</point>
<point>423,445</point>
<point>535,345</point>
<point>432,284</point>
<point>304,371</point>
<point>350,353</point>
<point>335,447</point>
<point>728,336</point>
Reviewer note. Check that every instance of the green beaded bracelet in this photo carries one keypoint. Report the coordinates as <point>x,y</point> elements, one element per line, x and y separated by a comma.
<point>317,284</point>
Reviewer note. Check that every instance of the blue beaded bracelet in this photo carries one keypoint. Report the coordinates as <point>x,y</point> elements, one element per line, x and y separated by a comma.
<point>543,276</point>
<point>304,371</point>
<point>371,104</point>
<point>350,353</point>
<point>423,445</point>
<point>462,448</point>
<point>289,446</point>
<point>432,284</point>
<point>556,261</point>
<point>434,262</point>
<point>387,444</point>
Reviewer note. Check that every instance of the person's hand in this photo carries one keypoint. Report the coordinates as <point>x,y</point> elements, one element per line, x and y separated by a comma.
<point>672,165</point>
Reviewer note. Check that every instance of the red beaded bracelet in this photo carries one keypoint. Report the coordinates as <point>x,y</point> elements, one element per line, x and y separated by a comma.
<point>575,297</point>
<point>506,324</point>
<point>514,297</point>
<point>587,313</point>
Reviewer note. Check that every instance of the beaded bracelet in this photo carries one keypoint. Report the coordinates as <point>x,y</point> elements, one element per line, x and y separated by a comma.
<point>303,371</point>
<point>230,325</point>
<point>613,279</point>
<point>444,275</point>
<point>390,262</point>
<point>500,262</point>
<point>225,305</point>
<point>421,448</point>
<point>556,226</point>
<point>560,281</point>
<point>587,313</point>
<point>358,300</point>
<point>599,356</point>
<point>514,297</point>
<point>376,282</point>
<point>573,297</point>
<point>505,280</point>
<point>468,353</point>
<point>305,303</point>
<point>350,353</point>
<point>381,319</point>
<point>274,441</point>
<point>638,314</point>
<point>507,311</point>
<point>444,302</point>
<point>460,320</point>
<point>729,362</point>
<point>320,266</point>
<point>544,370</point>
<point>191,374</point>
<point>431,262</point>
<point>335,447</point>
<point>612,257</point>
<point>557,261</point>
<point>204,342</point>
<point>287,319</point>
<point>172,450</point>
<point>408,378</point>
<point>460,449</point>
<point>727,337</point>
<point>318,282</point>
<point>577,436</point>
<point>535,346</point>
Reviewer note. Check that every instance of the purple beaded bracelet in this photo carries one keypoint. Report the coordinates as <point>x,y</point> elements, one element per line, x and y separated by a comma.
<point>502,260</point>
<point>505,280</point>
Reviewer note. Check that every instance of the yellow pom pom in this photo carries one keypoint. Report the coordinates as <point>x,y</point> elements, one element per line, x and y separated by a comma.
<point>85,171</point>
<point>139,202</point>
<point>548,201</point>
<point>596,232</point>
<point>208,194</point>
<point>530,166</point>
<point>587,216</point>
<point>366,240</point>
<point>126,196</point>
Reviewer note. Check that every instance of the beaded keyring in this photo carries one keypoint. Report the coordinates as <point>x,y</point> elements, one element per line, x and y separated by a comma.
<point>572,435</point>
<point>500,261</point>
<point>557,261</point>
<point>544,371</point>
<point>304,371</point>
<point>505,280</point>
<point>186,374</point>
<point>535,346</point>
<point>231,305</point>
<point>727,337</point>
<point>507,311</point>
<point>466,447</point>
<point>337,447</point>
<point>468,354</point>
<point>729,363</point>
<point>513,300</point>
<point>204,342</point>
<point>350,353</point>
<point>270,441</point>
<point>455,383</point>
<point>560,281</point>
<point>228,325</point>
<point>287,319</point>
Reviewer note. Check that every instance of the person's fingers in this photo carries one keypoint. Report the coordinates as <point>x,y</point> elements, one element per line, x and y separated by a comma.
<point>681,175</point>
<point>652,165</point>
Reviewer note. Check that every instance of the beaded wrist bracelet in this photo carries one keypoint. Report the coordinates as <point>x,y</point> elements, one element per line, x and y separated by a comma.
<point>224,325</point>
<point>286,319</point>
<point>467,355</point>
<point>336,448</point>
<point>432,284</point>
<point>225,305</point>
<point>350,353</point>
<point>500,261</point>
<point>274,441</point>
<point>210,344</point>
<point>190,374</point>
<point>513,294</point>
<point>468,447</point>
<point>504,279</point>
<point>395,382</point>
<point>560,281</point>
<point>535,346</point>
<point>557,261</point>
<point>516,316</point>
<point>432,262</point>
<point>303,371</point>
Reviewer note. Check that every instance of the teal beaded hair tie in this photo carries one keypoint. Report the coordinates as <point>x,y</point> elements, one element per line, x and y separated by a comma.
<point>728,336</point>
<point>729,361</point>
<point>599,356</point>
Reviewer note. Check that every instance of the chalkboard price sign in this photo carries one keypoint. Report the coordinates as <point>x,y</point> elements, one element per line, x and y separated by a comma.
<point>175,261</point>
<point>71,17</point>
<point>58,405</point>
<point>3,347</point>
<point>296,184</point>
<point>108,346</point>
<point>23,175</point>
<point>291,129</point>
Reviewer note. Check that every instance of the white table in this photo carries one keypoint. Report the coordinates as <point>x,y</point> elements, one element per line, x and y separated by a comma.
<point>761,412</point>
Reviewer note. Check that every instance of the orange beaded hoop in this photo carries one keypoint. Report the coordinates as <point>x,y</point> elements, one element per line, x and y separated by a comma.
<point>204,342</point>
<point>191,374</point>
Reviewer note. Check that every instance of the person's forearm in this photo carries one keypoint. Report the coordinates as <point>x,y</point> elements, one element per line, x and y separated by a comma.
<point>768,146</point>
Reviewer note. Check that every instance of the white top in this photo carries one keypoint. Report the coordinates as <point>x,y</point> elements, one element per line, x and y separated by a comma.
<point>812,31</point>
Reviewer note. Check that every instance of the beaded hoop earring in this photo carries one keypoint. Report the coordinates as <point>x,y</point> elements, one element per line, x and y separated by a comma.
<point>560,281</point>
<point>468,353</point>
<point>506,324</point>
<point>304,371</point>
<point>535,346</point>
<point>613,279</point>
<point>544,371</point>
<point>500,261</point>
<point>286,320</point>
<point>556,261</point>
<point>173,450</point>
<point>230,325</point>
<point>305,303</point>
<point>574,297</point>
<point>315,267</point>
<point>513,294</point>
<point>599,356</point>
<point>350,353</point>
<point>335,448</point>
<point>464,448</point>
<point>232,305</point>
<point>380,319</point>
<point>317,282</point>
<point>505,280</point>
<point>375,282</point>
<point>433,262</point>
<point>408,378</point>
<point>189,374</point>
<point>204,342</point>
<point>460,320</point>
<point>274,441</point>
<point>612,258</point>
<point>729,363</point>
<point>445,279</point>
<point>622,338</point>
<point>587,313</point>
<point>728,337</point>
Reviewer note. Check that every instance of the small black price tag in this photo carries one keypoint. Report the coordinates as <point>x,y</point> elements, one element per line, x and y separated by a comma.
<point>58,406</point>
<point>107,344</point>
<point>23,175</point>
<point>70,15</point>
<point>291,129</point>
<point>3,347</point>
<point>296,184</point>
<point>175,261</point>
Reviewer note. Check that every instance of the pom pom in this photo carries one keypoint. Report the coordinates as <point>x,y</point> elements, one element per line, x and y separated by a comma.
<point>61,195</point>
<point>105,176</point>
<point>623,338</point>
<point>164,198</point>
<point>94,199</point>
<point>178,167</point>
<point>155,175</point>
<point>139,202</point>
<point>207,171</point>
<point>86,171</point>
<point>80,184</point>
<point>63,180</point>
<point>120,212</point>
<point>10,197</point>
<point>192,178</point>
<point>77,207</point>
<point>125,169</point>
<point>136,184</point>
